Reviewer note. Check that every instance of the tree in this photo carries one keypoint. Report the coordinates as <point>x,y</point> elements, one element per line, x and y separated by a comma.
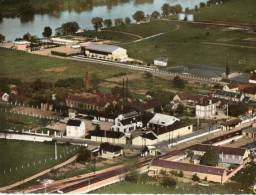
<point>166,9</point>
<point>202,5</point>
<point>195,178</point>
<point>2,38</point>
<point>97,23</point>
<point>119,22</point>
<point>155,15</point>
<point>97,127</point>
<point>128,20</point>
<point>138,16</point>
<point>69,28</point>
<point>27,37</point>
<point>47,32</point>
<point>168,182</point>
<point>178,82</point>
<point>210,157</point>
<point>83,155</point>
<point>237,109</point>
<point>180,109</point>
<point>108,23</point>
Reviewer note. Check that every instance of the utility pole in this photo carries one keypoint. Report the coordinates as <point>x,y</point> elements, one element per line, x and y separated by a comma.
<point>227,110</point>
<point>198,123</point>
<point>56,151</point>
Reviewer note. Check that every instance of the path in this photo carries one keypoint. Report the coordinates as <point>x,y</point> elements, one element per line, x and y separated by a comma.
<point>229,45</point>
<point>122,32</point>
<point>142,39</point>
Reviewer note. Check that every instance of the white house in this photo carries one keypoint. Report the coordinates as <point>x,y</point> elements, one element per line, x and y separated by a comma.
<point>161,62</point>
<point>206,109</point>
<point>128,122</point>
<point>75,128</point>
<point>162,120</point>
<point>109,151</point>
<point>62,41</point>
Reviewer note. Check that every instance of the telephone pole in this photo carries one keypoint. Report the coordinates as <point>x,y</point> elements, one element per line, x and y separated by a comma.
<point>56,151</point>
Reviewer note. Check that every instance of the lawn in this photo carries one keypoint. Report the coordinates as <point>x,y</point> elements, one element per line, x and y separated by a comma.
<point>28,67</point>
<point>144,188</point>
<point>20,159</point>
<point>232,10</point>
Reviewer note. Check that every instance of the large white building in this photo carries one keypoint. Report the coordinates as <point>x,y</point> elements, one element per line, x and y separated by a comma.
<point>103,51</point>
<point>128,122</point>
<point>206,109</point>
<point>75,128</point>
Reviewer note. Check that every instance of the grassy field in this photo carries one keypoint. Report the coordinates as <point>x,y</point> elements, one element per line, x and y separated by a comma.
<point>29,155</point>
<point>191,44</point>
<point>142,188</point>
<point>233,10</point>
<point>19,122</point>
<point>28,67</point>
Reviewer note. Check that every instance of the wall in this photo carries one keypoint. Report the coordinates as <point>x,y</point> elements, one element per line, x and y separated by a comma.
<point>110,140</point>
<point>24,137</point>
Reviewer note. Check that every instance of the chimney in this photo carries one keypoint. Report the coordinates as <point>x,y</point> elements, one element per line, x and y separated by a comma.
<point>86,82</point>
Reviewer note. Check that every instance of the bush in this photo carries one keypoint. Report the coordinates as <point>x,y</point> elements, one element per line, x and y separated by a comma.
<point>195,178</point>
<point>83,155</point>
<point>168,182</point>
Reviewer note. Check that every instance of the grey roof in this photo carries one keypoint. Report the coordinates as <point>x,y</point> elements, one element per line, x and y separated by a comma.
<point>73,122</point>
<point>130,114</point>
<point>101,47</point>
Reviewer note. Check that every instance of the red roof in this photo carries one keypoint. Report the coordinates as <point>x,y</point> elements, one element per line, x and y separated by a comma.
<point>188,167</point>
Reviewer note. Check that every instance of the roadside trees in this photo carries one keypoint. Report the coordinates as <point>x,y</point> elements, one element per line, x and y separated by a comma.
<point>168,182</point>
<point>138,16</point>
<point>69,28</point>
<point>97,23</point>
<point>128,20</point>
<point>166,9</point>
<point>155,15</point>
<point>83,155</point>
<point>107,23</point>
<point>47,32</point>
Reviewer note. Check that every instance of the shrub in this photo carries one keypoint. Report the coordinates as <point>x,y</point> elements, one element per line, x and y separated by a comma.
<point>168,182</point>
<point>195,178</point>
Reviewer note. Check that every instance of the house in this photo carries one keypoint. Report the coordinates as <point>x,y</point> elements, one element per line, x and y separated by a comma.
<point>109,151</point>
<point>161,62</point>
<point>230,124</point>
<point>227,155</point>
<point>103,51</point>
<point>252,79</point>
<point>206,109</point>
<point>90,101</point>
<point>75,128</point>
<point>21,45</point>
<point>149,151</point>
<point>108,136</point>
<point>62,41</point>
<point>184,99</point>
<point>250,133</point>
<point>228,96</point>
<point>127,122</point>
<point>162,128</point>
<point>248,89</point>
<point>4,97</point>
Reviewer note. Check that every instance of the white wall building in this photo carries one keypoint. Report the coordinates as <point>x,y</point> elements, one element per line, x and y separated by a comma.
<point>75,128</point>
<point>5,97</point>
<point>128,122</point>
<point>161,62</point>
<point>206,109</point>
<point>162,120</point>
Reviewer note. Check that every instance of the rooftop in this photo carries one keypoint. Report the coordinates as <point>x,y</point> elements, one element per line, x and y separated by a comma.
<point>219,149</point>
<point>109,134</point>
<point>100,47</point>
<point>163,120</point>
<point>110,148</point>
<point>74,122</point>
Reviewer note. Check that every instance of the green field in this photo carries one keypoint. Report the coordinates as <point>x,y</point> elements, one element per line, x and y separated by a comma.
<point>191,44</point>
<point>28,67</point>
<point>29,155</point>
<point>183,188</point>
<point>232,10</point>
<point>20,122</point>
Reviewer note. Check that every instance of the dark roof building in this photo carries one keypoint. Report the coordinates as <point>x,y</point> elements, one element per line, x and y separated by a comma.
<point>108,134</point>
<point>110,148</point>
<point>74,122</point>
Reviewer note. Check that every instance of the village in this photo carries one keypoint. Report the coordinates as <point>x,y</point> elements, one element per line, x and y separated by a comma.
<point>127,117</point>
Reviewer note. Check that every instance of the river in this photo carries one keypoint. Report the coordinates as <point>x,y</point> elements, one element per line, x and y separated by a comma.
<point>13,28</point>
